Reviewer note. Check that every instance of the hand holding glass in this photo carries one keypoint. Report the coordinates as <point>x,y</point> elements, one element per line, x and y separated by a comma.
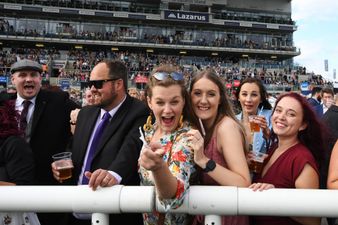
<point>64,164</point>
<point>254,127</point>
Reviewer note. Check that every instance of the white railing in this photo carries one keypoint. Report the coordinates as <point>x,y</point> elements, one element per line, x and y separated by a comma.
<point>212,201</point>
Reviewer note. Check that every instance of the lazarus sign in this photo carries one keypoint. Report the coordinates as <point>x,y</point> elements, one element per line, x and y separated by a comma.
<point>186,16</point>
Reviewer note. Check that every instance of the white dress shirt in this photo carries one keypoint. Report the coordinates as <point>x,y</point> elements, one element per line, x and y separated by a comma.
<point>19,106</point>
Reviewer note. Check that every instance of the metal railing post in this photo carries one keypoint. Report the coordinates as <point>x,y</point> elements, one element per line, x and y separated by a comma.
<point>100,219</point>
<point>212,220</point>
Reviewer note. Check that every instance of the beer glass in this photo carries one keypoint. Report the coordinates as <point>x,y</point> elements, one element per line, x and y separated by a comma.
<point>256,162</point>
<point>64,164</point>
<point>254,127</point>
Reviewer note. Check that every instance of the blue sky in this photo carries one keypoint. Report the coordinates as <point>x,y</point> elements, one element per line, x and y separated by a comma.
<point>316,35</point>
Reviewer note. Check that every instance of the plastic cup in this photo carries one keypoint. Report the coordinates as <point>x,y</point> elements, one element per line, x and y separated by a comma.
<point>254,127</point>
<point>257,161</point>
<point>64,164</point>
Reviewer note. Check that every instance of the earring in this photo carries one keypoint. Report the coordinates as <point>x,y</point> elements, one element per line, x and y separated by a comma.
<point>180,123</point>
<point>148,125</point>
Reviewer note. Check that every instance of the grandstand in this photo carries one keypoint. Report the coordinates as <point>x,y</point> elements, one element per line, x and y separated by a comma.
<point>238,37</point>
<point>233,30</point>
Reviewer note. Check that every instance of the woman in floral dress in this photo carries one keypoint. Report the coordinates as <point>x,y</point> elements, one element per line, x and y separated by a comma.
<point>166,160</point>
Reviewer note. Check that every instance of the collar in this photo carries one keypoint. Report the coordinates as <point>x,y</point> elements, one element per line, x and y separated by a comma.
<point>114,110</point>
<point>20,100</point>
<point>314,98</point>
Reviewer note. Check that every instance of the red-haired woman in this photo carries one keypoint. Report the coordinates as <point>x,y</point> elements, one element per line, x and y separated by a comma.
<point>294,156</point>
<point>16,160</point>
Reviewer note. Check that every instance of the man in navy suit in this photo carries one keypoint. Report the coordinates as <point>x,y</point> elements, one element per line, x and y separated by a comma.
<point>116,156</point>
<point>315,101</point>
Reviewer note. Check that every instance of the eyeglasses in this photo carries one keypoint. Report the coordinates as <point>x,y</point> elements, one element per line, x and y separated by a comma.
<point>99,83</point>
<point>163,75</point>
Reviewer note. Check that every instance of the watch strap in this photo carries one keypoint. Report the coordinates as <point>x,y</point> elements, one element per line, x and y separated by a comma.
<point>210,166</point>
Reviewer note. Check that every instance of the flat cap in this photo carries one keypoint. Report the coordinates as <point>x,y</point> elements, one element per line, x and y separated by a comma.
<point>26,64</point>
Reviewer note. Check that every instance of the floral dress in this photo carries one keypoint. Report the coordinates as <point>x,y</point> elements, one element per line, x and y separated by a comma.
<point>180,160</point>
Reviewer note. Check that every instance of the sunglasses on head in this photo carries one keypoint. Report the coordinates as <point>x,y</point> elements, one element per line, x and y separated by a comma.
<point>99,83</point>
<point>164,75</point>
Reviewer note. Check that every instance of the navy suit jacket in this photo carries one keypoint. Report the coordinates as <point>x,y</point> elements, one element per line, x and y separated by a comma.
<point>119,147</point>
<point>316,106</point>
<point>118,150</point>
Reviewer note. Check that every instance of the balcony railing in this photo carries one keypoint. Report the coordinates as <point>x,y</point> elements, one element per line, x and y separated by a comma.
<point>212,201</point>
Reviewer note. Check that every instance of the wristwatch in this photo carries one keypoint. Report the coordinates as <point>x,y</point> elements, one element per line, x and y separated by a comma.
<point>210,166</point>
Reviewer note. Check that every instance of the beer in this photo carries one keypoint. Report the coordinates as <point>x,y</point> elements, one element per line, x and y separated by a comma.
<point>64,164</point>
<point>256,161</point>
<point>65,172</point>
<point>254,127</point>
<point>256,166</point>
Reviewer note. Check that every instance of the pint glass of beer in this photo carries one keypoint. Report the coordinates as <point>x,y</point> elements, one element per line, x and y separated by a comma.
<point>254,127</point>
<point>256,161</point>
<point>64,164</point>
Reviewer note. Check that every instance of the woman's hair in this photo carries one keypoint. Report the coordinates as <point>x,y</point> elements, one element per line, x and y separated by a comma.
<point>169,81</point>
<point>8,119</point>
<point>262,91</point>
<point>224,108</point>
<point>313,136</point>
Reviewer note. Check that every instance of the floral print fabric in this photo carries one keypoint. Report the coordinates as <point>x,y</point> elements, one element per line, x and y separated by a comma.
<point>180,160</point>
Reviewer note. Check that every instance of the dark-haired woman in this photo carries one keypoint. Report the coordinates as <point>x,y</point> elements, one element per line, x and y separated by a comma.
<point>295,154</point>
<point>252,97</point>
<point>16,160</point>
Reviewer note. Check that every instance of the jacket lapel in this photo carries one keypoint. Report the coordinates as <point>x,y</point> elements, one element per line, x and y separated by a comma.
<point>40,104</point>
<point>90,122</point>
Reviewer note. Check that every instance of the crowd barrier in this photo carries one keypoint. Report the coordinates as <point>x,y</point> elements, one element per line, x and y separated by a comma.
<point>212,201</point>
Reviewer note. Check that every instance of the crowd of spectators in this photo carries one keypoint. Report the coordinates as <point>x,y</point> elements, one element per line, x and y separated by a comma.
<point>67,31</point>
<point>79,63</point>
<point>258,18</point>
<point>142,64</point>
<point>201,82</point>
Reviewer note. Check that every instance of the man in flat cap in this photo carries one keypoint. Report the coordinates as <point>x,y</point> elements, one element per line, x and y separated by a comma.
<point>44,116</point>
